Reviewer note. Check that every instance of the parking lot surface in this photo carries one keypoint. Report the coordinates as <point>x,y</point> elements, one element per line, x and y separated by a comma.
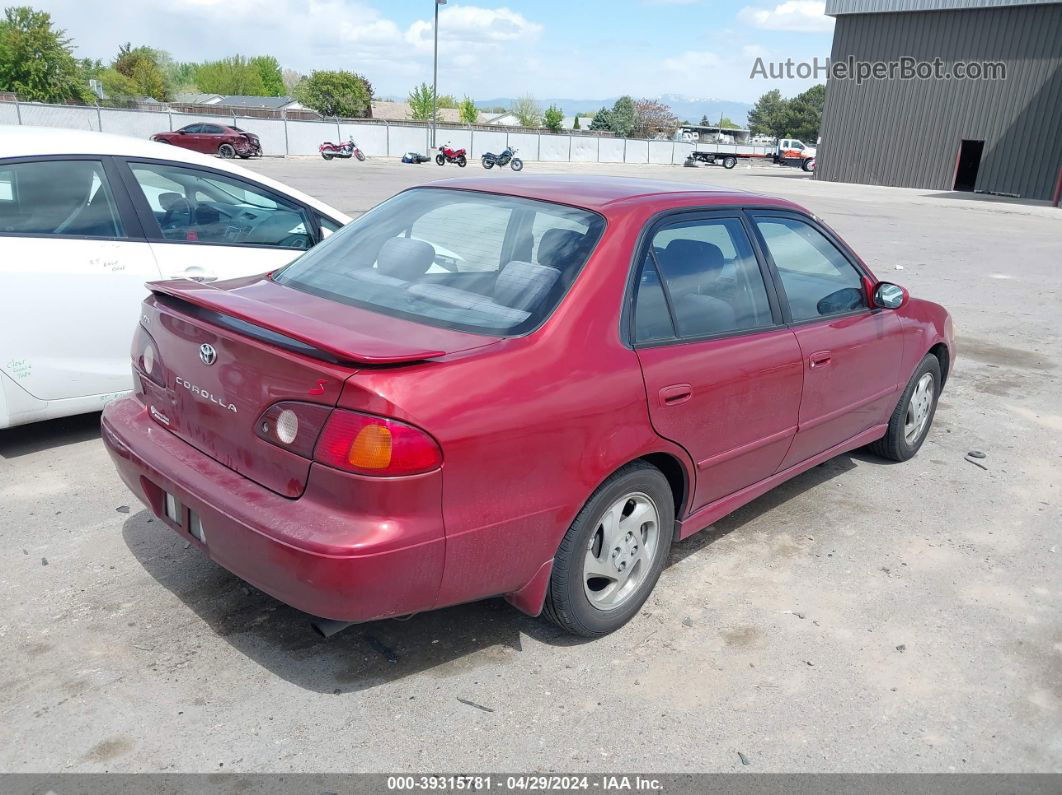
<point>865,616</point>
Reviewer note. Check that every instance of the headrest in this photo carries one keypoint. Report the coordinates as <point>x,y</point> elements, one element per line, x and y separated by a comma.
<point>684,257</point>
<point>523,285</point>
<point>405,258</point>
<point>559,248</point>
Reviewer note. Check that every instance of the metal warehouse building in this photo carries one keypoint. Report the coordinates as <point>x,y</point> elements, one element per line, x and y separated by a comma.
<point>999,136</point>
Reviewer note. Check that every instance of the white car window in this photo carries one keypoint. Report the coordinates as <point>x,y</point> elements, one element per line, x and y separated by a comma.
<point>197,206</point>
<point>66,198</point>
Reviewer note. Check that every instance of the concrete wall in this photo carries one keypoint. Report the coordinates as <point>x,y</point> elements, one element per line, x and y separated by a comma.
<point>282,137</point>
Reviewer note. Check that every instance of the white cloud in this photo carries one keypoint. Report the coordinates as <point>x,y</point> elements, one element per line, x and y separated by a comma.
<point>806,16</point>
<point>690,61</point>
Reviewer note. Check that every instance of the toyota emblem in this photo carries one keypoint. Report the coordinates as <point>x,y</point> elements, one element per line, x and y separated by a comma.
<point>207,353</point>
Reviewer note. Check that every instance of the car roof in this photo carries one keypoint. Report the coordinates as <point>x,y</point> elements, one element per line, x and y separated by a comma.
<point>602,192</point>
<point>26,141</point>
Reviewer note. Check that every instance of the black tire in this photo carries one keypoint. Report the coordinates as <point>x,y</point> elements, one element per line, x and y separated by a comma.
<point>894,444</point>
<point>487,164</point>
<point>440,159</point>
<point>517,164</point>
<point>567,604</point>
<point>808,165</point>
<point>729,162</point>
<point>360,155</point>
<point>326,155</point>
<point>462,162</point>
<point>227,151</point>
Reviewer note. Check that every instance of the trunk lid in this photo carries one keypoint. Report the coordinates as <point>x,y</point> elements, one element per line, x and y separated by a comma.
<point>267,344</point>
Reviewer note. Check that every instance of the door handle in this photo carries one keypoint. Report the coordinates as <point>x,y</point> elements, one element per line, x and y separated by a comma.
<point>675,394</point>
<point>821,358</point>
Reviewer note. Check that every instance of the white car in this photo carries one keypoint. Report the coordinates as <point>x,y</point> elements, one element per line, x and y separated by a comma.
<point>85,220</point>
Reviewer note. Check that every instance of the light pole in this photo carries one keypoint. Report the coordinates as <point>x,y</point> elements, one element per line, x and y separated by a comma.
<point>435,72</point>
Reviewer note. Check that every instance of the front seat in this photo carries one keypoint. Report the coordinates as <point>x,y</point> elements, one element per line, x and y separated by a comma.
<point>692,268</point>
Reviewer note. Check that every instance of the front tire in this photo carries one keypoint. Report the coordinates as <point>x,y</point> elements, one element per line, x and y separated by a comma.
<point>613,553</point>
<point>729,162</point>
<point>440,159</point>
<point>360,155</point>
<point>517,164</point>
<point>227,151</point>
<point>911,419</point>
<point>809,165</point>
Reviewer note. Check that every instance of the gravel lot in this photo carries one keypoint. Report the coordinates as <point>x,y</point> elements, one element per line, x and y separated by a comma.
<point>862,617</point>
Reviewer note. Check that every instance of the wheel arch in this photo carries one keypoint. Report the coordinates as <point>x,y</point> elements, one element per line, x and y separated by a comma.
<point>943,355</point>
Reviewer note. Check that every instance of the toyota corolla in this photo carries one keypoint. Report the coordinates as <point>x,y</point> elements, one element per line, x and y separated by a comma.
<point>605,366</point>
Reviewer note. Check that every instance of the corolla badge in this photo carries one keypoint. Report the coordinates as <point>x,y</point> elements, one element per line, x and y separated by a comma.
<point>203,394</point>
<point>207,353</point>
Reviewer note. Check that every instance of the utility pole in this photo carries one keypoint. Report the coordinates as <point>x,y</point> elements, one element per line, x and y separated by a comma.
<point>435,73</point>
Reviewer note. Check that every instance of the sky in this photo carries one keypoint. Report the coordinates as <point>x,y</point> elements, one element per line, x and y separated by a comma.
<point>548,48</point>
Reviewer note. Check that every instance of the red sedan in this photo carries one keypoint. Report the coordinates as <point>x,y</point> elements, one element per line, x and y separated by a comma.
<point>525,387</point>
<point>213,139</point>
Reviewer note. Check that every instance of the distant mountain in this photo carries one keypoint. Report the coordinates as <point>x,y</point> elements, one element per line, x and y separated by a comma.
<point>685,107</point>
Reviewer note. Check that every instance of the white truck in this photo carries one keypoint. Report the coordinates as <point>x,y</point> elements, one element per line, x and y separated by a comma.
<point>786,152</point>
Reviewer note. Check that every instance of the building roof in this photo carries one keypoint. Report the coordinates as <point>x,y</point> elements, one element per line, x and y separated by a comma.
<point>239,101</point>
<point>835,8</point>
<point>599,192</point>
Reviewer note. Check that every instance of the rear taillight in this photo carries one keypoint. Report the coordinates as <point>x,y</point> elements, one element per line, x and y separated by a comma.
<point>145,355</point>
<point>293,425</point>
<point>371,445</point>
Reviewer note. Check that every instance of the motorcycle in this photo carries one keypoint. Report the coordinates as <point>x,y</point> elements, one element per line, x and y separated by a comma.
<point>344,150</point>
<point>447,154</point>
<point>506,158</point>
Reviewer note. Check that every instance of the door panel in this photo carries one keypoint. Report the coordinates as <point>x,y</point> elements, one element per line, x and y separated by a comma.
<point>854,388</point>
<point>850,352</point>
<point>741,413</point>
<point>722,379</point>
<point>71,311</point>
<point>72,281</point>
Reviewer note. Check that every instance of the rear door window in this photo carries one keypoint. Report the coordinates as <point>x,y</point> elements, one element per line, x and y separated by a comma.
<point>62,198</point>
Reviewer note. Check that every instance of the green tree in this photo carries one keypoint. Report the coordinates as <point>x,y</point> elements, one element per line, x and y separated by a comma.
<point>624,116</point>
<point>575,124</point>
<point>339,93</point>
<point>446,101</point>
<point>602,120</point>
<point>235,75</point>
<point>182,77</point>
<point>467,111</point>
<point>272,78</point>
<point>36,61</point>
<point>768,115</point>
<point>142,66</point>
<point>527,111</point>
<point>803,114</point>
<point>553,118</point>
<point>726,123</point>
<point>421,103</point>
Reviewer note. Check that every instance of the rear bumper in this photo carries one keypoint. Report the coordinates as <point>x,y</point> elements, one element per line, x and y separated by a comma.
<point>314,553</point>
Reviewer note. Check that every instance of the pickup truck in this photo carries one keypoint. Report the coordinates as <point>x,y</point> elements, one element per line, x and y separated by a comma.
<point>787,152</point>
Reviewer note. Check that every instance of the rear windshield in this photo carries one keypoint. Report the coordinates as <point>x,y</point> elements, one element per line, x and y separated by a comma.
<point>476,262</point>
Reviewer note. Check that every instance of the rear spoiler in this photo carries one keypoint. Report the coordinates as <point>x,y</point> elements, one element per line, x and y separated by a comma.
<point>310,335</point>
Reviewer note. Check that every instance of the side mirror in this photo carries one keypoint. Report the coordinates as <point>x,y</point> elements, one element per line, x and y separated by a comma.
<point>890,296</point>
<point>182,132</point>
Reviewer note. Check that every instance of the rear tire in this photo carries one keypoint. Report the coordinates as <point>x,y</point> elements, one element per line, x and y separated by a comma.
<point>912,418</point>
<point>227,151</point>
<point>461,161</point>
<point>327,155</point>
<point>487,164</point>
<point>729,162</point>
<point>612,555</point>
